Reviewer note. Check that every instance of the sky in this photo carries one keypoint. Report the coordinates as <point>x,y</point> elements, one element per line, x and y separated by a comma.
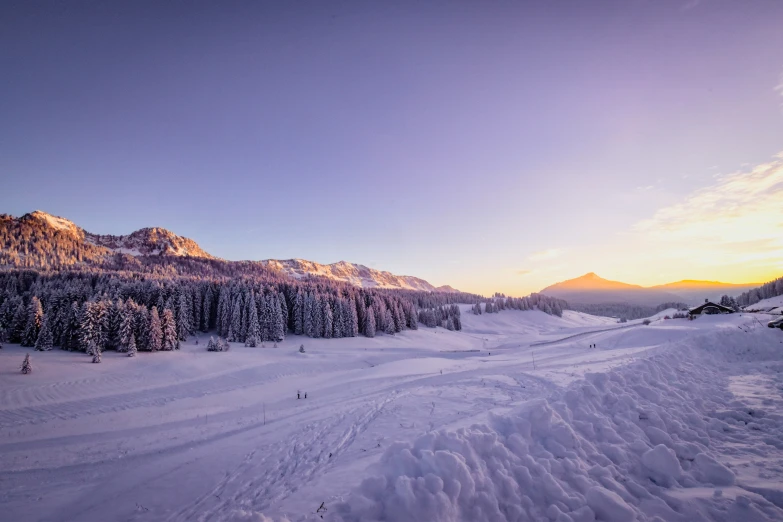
<point>489,145</point>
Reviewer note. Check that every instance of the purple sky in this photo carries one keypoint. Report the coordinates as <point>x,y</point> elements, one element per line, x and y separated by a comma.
<point>488,145</point>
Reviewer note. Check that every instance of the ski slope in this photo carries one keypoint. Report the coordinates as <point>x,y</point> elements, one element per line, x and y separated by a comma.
<point>423,425</point>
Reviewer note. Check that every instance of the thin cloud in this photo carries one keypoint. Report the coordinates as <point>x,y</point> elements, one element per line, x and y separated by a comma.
<point>544,255</point>
<point>524,272</point>
<point>779,87</point>
<point>736,220</point>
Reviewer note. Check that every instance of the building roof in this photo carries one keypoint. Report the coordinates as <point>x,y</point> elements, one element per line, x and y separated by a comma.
<point>699,309</point>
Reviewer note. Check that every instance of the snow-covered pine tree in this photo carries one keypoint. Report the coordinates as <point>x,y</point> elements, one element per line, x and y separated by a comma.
<point>212,345</point>
<point>389,323</point>
<point>34,321</point>
<point>114,312</point>
<point>126,327</point>
<point>450,324</point>
<point>253,328</point>
<point>196,309</point>
<point>338,324</point>
<point>183,316</point>
<point>360,309</point>
<point>308,315</point>
<point>155,335</point>
<point>236,321</point>
<point>318,316</point>
<point>207,314</point>
<point>131,346</point>
<point>224,310</point>
<point>27,366</point>
<point>327,319</point>
<point>44,341</point>
<point>19,323</point>
<point>298,312</point>
<point>353,317</point>
<point>70,335</point>
<point>168,327</point>
<point>269,313</point>
<point>141,327</point>
<point>379,309</point>
<point>369,323</point>
<point>96,352</point>
<point>281,300</point>
<point>278,321</point>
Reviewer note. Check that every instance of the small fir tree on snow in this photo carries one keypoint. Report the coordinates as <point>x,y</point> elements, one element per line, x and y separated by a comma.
<point>131,346</point>
<point>251,341</point>
<point>27,366</point>
<point>44,341</point>
<point>224,346</point>
<point>301,348</point>
<point>96,352</point>
<point>212,345</point>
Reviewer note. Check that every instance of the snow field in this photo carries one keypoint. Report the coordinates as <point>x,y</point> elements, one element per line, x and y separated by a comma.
<point>554,432</point>
<point>610,447</point>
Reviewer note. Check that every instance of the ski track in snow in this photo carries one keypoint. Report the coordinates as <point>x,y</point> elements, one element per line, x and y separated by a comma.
<point>212,437</point>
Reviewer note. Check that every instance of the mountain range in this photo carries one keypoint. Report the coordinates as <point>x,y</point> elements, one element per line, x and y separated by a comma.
<point>593,289</point>
<point>41,240</point>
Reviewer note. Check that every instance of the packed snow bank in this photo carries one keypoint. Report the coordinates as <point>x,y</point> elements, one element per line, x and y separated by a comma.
<point>643,442</point>
<point>770,305</point>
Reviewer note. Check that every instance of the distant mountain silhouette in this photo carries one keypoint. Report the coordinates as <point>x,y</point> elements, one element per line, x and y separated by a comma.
<point>593,289</point>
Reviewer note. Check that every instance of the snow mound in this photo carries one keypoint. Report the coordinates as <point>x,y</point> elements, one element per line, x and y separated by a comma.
<point>618,446</point>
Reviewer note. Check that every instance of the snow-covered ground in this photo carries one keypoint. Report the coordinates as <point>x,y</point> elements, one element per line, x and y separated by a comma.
<point>773,305</point>
<point>515,418</point>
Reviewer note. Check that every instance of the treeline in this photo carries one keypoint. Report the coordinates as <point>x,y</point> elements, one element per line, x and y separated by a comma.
<point>87,309</point>
<point>624,310</point>
<point>545,303</point>
<point>765,291</point>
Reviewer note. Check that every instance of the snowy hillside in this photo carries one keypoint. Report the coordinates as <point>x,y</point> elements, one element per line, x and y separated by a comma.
<point>352,273</point>
<point>516,418</point>
<point>149,242</point>
<point>772,305</point>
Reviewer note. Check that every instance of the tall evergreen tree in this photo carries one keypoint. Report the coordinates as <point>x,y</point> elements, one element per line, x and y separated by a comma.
<point>131,346</point>
<point>389,323</point>
<point>278,320</point>
<point>155,335</point>
<point>19,323</point>
<point>44,341</point>
<point>34,321</point>
<point>183,317</point>
<point>299,313</point>
<point>236,322</point>
<point>369,323</point>
<point>168,326</point>
<point>207,316</point>
<point>253,328</point>
<point>70,336</point>
<point>327,320</point>
<point>308,315</point>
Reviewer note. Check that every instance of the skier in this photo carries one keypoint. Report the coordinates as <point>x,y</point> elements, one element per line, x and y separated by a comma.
<point>297,395</point>
<point>305,395</point>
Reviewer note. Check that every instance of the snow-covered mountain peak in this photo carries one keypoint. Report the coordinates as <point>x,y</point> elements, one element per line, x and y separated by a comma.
<point>55,222</point>
<point>352,273</point>
<point>150,241</point>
